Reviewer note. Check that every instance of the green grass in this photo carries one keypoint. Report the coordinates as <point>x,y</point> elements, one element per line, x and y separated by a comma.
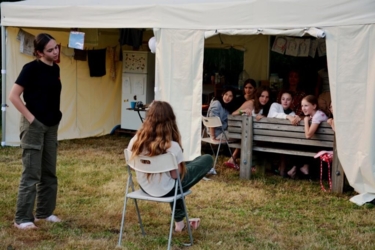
<point>262,213</point>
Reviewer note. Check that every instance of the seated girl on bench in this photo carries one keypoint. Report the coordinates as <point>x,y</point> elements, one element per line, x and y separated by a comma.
<point>309,105</point>
<point>282,110</point>
<point>258,108</point>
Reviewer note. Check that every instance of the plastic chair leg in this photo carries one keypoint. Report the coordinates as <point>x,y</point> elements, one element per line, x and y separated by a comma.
<point>123,217</point>
<point>139,217</point>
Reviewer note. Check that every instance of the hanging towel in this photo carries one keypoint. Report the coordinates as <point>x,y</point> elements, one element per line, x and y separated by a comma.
<point>80,55</point>
<point>112,61</point>
<point>132,37</point>
<point>96,59</point>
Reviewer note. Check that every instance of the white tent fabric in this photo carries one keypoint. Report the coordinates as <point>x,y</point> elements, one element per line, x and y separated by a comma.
<point>350,65</point>
<point>318,33</point>
<point>179,81</point>
<point>188,14</point>
<point>349,27</point>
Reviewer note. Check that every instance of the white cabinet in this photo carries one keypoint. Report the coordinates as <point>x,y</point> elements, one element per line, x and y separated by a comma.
<point>138,81</point>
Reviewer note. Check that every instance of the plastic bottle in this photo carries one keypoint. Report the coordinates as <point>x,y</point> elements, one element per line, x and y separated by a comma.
<point>242,77</point>
<point>217,79</point>
<point>280,83</point>
<point>274,81</point>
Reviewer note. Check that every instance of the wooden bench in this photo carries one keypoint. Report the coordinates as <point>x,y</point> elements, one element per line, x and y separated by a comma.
<point>273,135</point>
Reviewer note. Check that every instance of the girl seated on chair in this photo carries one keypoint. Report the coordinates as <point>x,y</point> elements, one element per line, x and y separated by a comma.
<point>221,107</point>
<point>159,134</point>
<point>257,107</point>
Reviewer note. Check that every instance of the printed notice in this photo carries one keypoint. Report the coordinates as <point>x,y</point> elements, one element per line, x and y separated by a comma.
<point>76,40</point>
<point>138,86</point>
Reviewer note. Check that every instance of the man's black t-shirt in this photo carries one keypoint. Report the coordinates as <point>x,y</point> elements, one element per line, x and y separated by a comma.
<point>42,89</point>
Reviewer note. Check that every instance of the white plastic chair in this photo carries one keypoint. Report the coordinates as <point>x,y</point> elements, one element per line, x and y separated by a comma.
<point>153,165</point>
<point>214,122</point>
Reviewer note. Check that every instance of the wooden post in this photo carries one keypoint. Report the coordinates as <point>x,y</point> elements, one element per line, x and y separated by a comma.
<point>266,164</point>
<point>337,173</point>
<point>246,147</point>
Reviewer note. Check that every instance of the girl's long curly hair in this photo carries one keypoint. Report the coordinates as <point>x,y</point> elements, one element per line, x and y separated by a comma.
<point>158,131</point>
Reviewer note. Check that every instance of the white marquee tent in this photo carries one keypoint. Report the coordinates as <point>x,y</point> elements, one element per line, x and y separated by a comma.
<point>180,27</point>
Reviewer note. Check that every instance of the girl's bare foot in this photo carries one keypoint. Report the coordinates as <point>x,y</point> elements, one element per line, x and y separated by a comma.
<point>292,172</point>
<point>305,169</point>
<point>179,226</point>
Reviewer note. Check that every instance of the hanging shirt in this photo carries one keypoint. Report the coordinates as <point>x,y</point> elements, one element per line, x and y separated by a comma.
<point>96,60</point>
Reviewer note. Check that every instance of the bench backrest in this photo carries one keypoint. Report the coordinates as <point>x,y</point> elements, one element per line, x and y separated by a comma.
<point>271,135</point>
<point>281,131</point>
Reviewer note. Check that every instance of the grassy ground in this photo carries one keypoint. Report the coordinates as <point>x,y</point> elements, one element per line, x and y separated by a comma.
<point>263,213</point>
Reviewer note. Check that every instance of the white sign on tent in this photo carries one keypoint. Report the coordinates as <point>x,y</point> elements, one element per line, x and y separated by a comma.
<point>76,40</point>
<point>26,43</point>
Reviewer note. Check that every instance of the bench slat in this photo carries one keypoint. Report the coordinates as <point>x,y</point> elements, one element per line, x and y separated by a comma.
<point>274,121</point>
<point>234,136</point>
<point>284,151</point>
<point>290,128</point>
<point>235,130</point>
<point>293,141</point>
<point>235,117</point>
<point>232,123</point>
<point>320,137</point>
<point>235,145</point>
<point>287,122</point>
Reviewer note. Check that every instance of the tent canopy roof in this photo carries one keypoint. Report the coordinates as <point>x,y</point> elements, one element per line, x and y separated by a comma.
<point>187,14</point>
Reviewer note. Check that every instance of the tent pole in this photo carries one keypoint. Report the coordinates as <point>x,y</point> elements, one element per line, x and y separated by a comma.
<point>268,57</point>
<point>3,84</point>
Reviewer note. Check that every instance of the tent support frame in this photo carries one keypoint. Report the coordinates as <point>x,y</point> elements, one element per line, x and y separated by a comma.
<point>3,85</point>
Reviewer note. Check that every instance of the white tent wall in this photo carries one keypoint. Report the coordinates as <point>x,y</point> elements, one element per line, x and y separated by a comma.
<point>91,105</point>
<point>179,69</point>
<point>351,63</point>
<point>188,14</point>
